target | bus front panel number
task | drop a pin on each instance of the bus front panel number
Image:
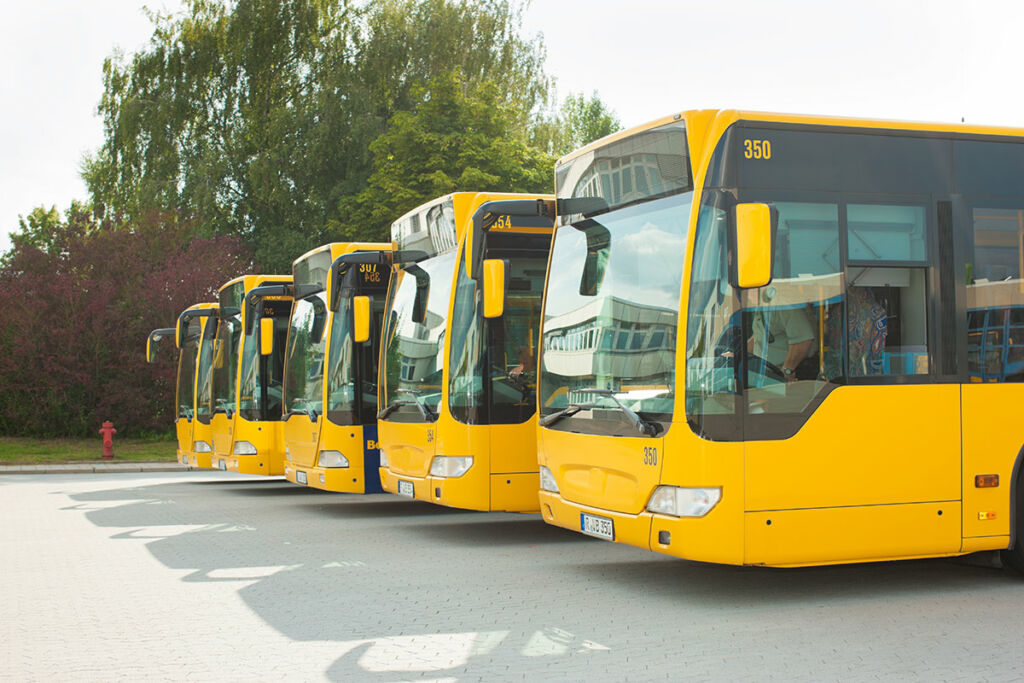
(650, 455)
(757, 149)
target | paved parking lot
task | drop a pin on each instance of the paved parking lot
(211, 576)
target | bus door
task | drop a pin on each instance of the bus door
(850, 419)
(993, 393)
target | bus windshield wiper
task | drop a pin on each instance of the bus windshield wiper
(428, 414)
(643, 426)
(392, 407)
(569, 411)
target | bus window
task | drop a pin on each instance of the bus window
(995, 296)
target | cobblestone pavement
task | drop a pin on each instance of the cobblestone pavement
(211, 576)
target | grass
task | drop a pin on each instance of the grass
(23, 451)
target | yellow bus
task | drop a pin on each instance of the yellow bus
(193, 328)
(330, 374)
(248, 365)
(457, 380)
(755, 340)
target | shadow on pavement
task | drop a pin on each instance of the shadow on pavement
(712, 585)
(525, 530)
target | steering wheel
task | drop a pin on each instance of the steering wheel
(766, 369)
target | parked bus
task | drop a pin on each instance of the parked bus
(762, 344)
(330, 375)
(457, 380)
(248, 365)
(195, 326)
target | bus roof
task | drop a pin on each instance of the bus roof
(728, 116)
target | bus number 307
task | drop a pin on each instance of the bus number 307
(650, 455)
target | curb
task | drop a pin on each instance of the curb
(95, 468)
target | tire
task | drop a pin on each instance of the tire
(1013, 559)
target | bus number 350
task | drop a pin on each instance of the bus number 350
(650, 455)
(757, 149)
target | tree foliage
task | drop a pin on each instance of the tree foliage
(256, 118)
(74, 319)
(457, 138)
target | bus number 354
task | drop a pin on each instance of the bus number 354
(650, 455)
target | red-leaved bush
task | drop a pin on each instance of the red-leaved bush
(74, 320)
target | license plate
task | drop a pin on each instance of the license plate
(602, 527)
(405, 488)
(300, 476)
(221, 465)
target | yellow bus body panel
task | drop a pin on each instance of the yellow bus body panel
(267, 437)
(852, 534)
(183, 430)
(991, 445)
(864, 445)
(601, 471)
(221, 433)
(350, 442)
(201, 432)
(300, 438)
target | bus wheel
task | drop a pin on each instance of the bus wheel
(1013, 559)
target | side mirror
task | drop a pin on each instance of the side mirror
(360, 319)
(179, 334)
(266, 336)
(154, 337)
(494, 288)
(755, 230)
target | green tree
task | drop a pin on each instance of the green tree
(459, 138)
(578, 122)
(255, 118)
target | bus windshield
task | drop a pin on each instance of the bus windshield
(305, 356)
(225, 361)
(414, 338)
(187, 368)
(262, 375)
(492, 378)
(204, 371)
(612, 308)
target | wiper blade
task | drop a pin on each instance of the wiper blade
(642, 425)
(392, 407)
(428, 414)
(571, 410)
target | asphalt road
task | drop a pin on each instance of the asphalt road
(211, 576)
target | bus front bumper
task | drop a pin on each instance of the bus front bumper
(624, 528)
(335, 479)
(417, 488)
(717, 537)
(246, 464)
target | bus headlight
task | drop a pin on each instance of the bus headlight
(201, 447)
(243, 448)
(450, 465)
(683, 502)
(332, 459)
(383, 458)
(547, 480)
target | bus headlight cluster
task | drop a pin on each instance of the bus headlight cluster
(243, 448)
(450, 465)
(332, 459)
(201, 447)
(683, 502)
(547, 480)
(383, 458)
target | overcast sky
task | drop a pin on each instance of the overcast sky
(938, 61)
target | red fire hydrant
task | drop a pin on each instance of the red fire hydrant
(108, 432)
